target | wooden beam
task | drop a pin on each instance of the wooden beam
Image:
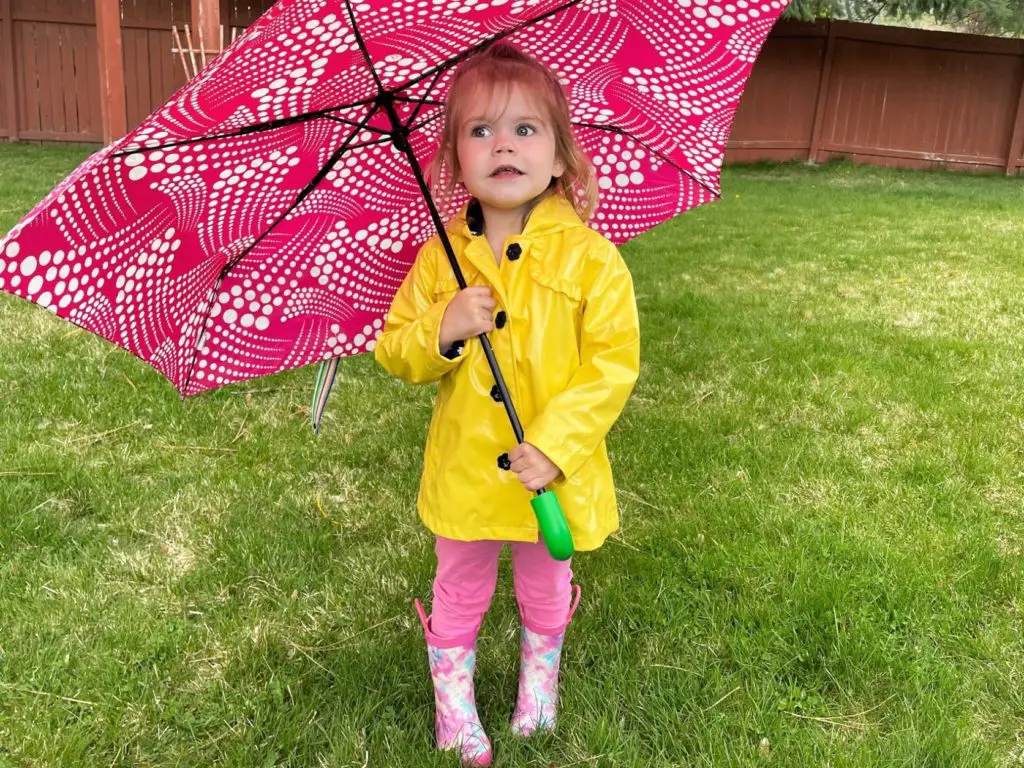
(926, 38)
(111, 58)
(74, 20)
(822, 97)
(1016, 148)
(989, 161)
(7, 68)
(767, 144)
(206, 33)
(89, 137)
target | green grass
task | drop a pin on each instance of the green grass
(820, 482)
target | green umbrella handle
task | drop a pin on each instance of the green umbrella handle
(553, 527)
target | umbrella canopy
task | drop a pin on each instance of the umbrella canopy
(264, 217)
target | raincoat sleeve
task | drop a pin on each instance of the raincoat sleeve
(573, 424)
(408, 346)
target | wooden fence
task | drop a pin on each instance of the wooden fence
(49, 66)
(883, 95)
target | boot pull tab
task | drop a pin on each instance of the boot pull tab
(423, 615)
(577, 593)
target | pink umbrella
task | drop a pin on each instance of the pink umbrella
(264, 217)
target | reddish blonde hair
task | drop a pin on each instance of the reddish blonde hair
(501, 66)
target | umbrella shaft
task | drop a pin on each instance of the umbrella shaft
(401, 141)
(506, 398)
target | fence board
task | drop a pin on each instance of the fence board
(66, 61)
(8, 97)
(242, 13)
(87, 68)
(890, 96)
(777, 112)
(25, 68)
(52, 83)
(884, 96)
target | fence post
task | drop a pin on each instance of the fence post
(822, 98)
(7, 67)
(113, 102)
(1016, 148)
(206, 24)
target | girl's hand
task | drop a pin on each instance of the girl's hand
(468, 314)
(535, 470)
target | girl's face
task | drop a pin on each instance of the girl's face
(506, 151)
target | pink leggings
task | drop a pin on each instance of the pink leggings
(467, 572)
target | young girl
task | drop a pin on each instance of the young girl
(558, 303)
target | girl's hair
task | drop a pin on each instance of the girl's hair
(496, 69)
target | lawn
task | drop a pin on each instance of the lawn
(820, 486)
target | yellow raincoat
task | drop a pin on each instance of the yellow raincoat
(569, 349)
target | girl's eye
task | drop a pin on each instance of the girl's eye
(479, 131)
(525, 129)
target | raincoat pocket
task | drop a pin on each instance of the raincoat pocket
(562, 301)
(560, 285)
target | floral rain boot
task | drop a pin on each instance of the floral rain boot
(456, 722)
(539, 659)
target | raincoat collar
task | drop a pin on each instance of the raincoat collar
(552, 213)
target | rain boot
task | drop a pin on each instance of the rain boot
(457, 725)
(539, 658)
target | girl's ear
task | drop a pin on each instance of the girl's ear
(558, 168)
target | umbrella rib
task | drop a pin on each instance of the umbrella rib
(362, 46)
(320, 176)
(436, 71)
(408, 100)
(453, 60)
(427, 121)
(357, 124)
(374, 143)
(249, 129)
(421, 102)
(638, 140)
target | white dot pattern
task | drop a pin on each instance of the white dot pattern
(218, 259)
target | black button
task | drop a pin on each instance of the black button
(500, 319)
(514, 251)
(504, 463)
(495, 394)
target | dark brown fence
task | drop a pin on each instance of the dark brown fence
(49, 68)
(883, 95)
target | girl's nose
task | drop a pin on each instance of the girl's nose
(503, 143)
